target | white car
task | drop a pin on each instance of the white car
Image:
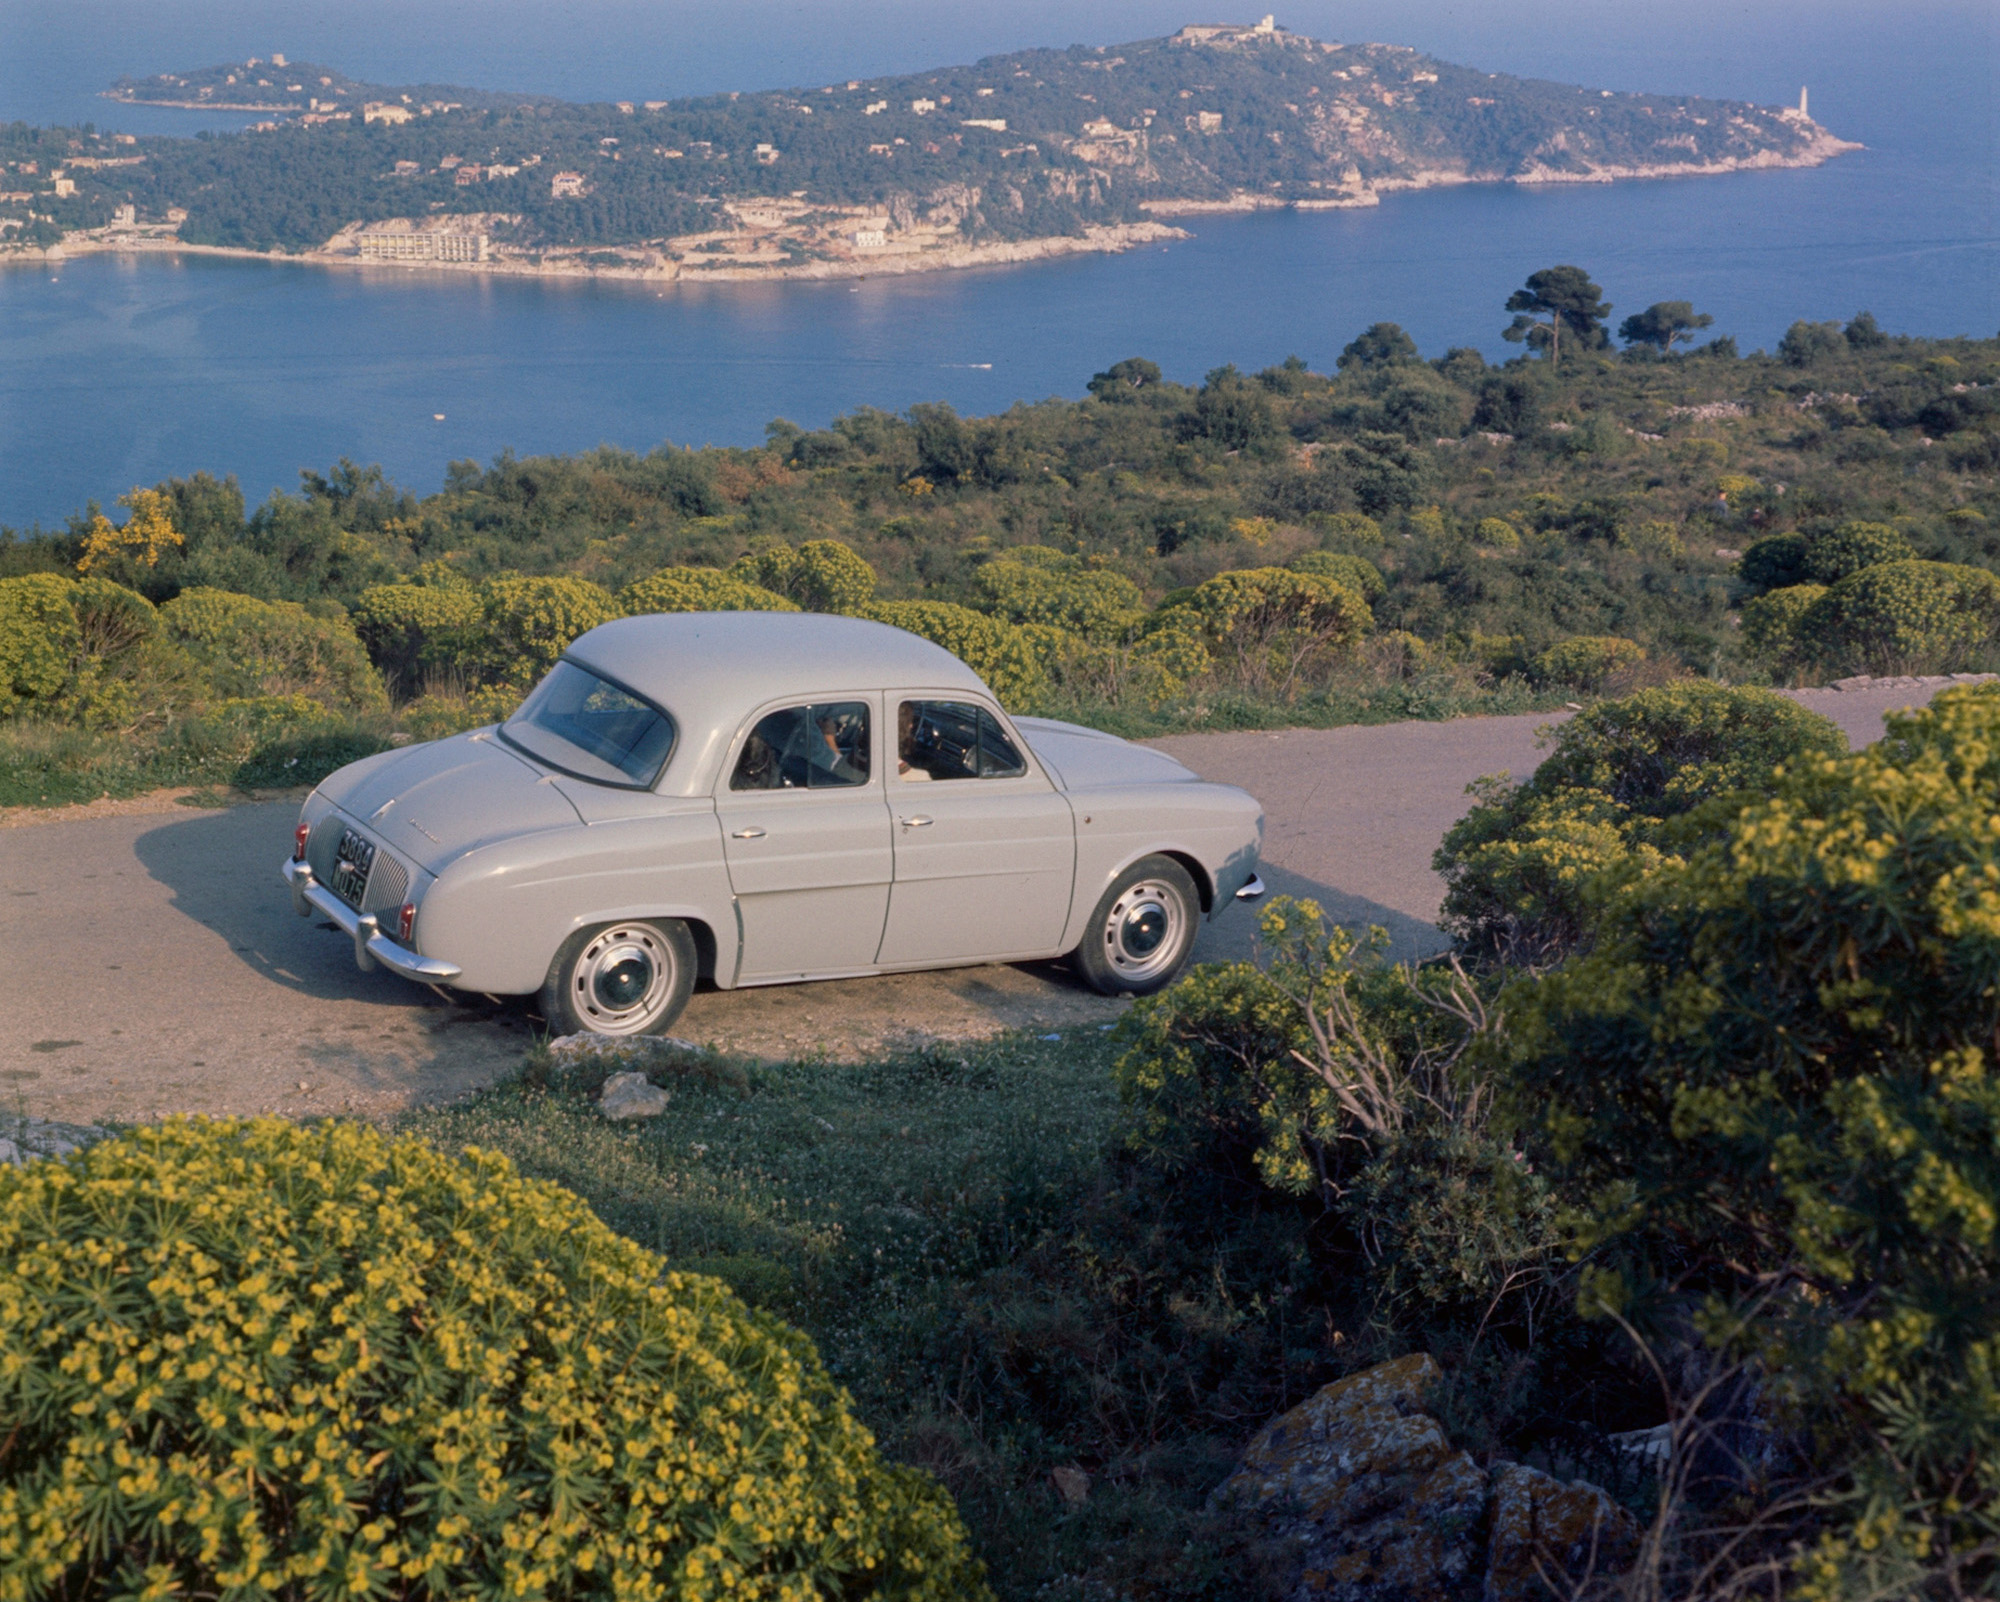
(757, 798)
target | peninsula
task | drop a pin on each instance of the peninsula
(1014, 157)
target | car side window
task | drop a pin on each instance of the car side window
(823, 747)
(953, 740)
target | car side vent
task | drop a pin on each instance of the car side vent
(388, 883)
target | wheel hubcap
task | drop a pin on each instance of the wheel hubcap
(1144, 934)
(622, 980)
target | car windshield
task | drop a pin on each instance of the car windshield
(589, 727)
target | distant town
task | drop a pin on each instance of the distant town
(1014, 157)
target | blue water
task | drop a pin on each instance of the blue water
(115, 372)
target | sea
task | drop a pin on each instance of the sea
(121, 371)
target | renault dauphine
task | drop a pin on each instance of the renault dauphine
(757, 798)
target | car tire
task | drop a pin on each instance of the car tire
(1142, 932)
(632, 977)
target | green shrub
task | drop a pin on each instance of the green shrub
(39, 640)
(412, 630)
(1775, 562)
(1331, 1077)
(1034, 584)
(250, 647)
(698, 589)
(1001, 654)
(820, 576)
(531, 621)
(1588, 660)
(1906, 617)
(1356, 572)
(1773, 1080)
(1274, 626)
(1852, 547)
(1528, 869)
(252, 1358)
(1772, 624)
(111, 620)
(1497, 534)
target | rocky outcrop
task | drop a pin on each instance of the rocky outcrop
(1366, 1491)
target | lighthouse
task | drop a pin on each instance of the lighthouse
(1802, 104)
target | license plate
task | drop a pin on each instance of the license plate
(350, 868)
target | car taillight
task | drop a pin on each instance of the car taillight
(300, 836)
(406, 922)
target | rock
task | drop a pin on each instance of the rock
(1859, 681)
(631, 1095)
(1544, 1526)
(1364, 1491)
(1072, 1484)
(1368, 1489)
(9, 1152)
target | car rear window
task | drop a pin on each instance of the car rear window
(593, 729)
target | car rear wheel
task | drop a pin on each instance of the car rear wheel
(1142, 933)
(630, 978)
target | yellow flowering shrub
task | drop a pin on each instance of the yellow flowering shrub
(251, 647)
(820, 576)
(255, 1359)
(1528, 869)
(1001, 654)
(1587, 660)
(698, 589)
(1772, 1088)
(39, 640)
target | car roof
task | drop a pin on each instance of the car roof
(710, 669)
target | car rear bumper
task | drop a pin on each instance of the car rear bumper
(371, 946)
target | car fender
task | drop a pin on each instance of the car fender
(501, 912)
(1215, 829)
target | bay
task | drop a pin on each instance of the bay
(116, 371)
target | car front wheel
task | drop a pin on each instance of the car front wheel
(630, 978)
(1142, 933)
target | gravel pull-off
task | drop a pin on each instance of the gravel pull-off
(153, 963)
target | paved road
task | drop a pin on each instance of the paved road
(150, 962)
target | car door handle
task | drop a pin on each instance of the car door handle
(751, 833)
(915, 823)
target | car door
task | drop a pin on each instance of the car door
(806, 835)
(985, 845)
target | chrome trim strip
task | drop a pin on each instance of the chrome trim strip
(1251, 891)
(371, 946)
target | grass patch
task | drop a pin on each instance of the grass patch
(959, 1231)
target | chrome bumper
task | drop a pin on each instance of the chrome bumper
(371, 946)
(1252, 891)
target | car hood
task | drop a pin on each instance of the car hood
(1083, 759)
(433, 803)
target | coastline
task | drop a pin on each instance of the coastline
(652, 264)
(1822, 149)
(1093, 241)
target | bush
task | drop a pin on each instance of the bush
(253, 647)
(1528, 870)
(698, 589)
(1356, 572)
(531, 621)
(1772, 623)
(1334, 1078)
(1852, 547)
(1002, 655)
(413, 630)
(1906, 617)
(1497, 534)
(39, 639)
(110, 619)
(1034, 584)
(1275, 625)
(1588, 660)
(1773, 1082)
(256, 1358)
(1775, 562)
(1805, 343)
(820, 576)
